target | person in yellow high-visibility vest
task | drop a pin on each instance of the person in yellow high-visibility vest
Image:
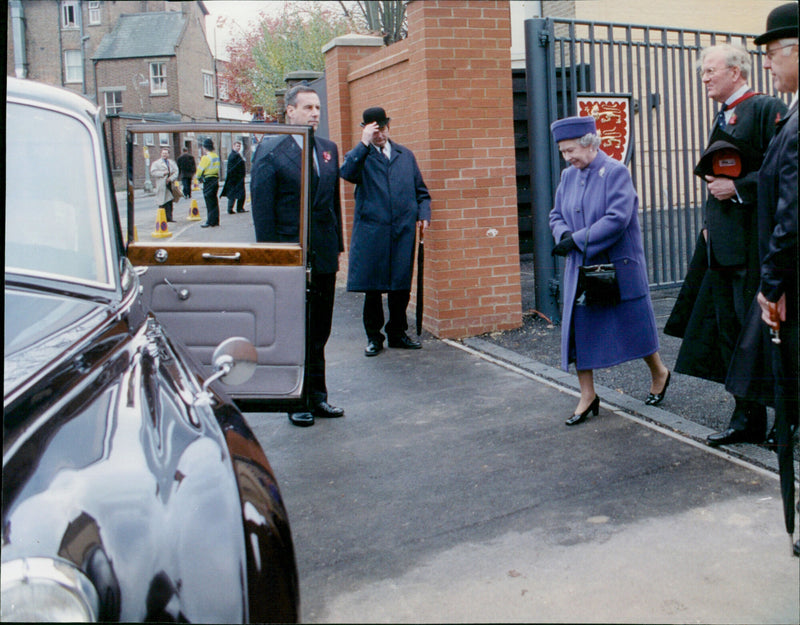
(208, 174)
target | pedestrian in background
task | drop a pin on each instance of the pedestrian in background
(391, 202)
(595, 220)
(275, 200)
(164, 171)
(186, 167)
(208, 174)
(723, 274)
(235, 173)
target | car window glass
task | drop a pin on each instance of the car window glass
(53, 216)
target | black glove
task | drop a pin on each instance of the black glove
(565, 246)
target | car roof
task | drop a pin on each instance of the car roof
(49, 95)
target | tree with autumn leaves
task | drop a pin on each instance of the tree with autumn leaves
(261, 58)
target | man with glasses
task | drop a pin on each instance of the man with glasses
(710, 311)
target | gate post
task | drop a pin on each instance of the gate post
(539, 35)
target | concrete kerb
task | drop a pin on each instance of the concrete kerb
(754, 456)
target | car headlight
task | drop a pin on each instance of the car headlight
(46, 590)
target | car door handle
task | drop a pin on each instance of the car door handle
(209, 256)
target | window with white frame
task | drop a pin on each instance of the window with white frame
(73, 66)
(208, 84)
(163, 139)
(158, 77)
(113, 102)
(69, 14)
(148, 138)
(95, 15)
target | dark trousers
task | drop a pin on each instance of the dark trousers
(728, 285)
(320, 306)
(210, 190)
(239, 204)
(373, 314)
(167, 210)
(186, 182)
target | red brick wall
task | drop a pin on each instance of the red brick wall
(447, 89)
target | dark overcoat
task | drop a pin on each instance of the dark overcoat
(732, 237)
(275, 197)
(391, 197)
(234, 177)
(750, 373)
(601, 199)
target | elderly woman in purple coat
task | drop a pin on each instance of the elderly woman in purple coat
(596, 215)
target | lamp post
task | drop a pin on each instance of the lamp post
(140, 81)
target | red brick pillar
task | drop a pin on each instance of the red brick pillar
(448, 90)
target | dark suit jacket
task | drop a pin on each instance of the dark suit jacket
(275, 194)
(234, 177)
(732, 225)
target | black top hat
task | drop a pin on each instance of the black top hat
(208, 144)
(375, 114)
(727, 157)
(781, 24)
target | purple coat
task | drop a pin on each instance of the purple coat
(602, 196)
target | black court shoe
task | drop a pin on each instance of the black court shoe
(653, 399)
(594, 408)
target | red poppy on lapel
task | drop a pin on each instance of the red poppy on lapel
(732, 120)
(778, 118)
(326, 156)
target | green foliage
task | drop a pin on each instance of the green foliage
(292, 41)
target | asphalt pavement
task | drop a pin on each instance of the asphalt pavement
(452, 491)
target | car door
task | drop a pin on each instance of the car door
(206, 284)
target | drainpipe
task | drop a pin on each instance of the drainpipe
(18, 34)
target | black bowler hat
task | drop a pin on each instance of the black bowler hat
(375, 114)
(727, 157)
(781, 24)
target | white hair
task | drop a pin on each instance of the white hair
(589, 140)
(787, 44)
(735, 56)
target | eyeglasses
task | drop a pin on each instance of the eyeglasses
(770, 54)
(710, 71)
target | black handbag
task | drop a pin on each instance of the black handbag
(597, 284)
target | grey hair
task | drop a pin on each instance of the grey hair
(290, 99)
(589, 140)
(735, 56)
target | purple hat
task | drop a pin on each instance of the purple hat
(573, 128)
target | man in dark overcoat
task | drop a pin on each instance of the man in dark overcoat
(391, 202)
(727, 251)
(186, 168)
(235, 172)
(275, 197)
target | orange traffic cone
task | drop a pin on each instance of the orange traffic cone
(194, 212)
(195, 185)
(162, 230)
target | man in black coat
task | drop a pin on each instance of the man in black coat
(275, 196)
(727, 251)
(186, 168)
(234, 180)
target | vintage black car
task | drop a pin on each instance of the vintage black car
(133, 489)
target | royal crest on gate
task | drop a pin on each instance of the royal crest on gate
(612, 114)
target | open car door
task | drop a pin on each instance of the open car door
(209, 284)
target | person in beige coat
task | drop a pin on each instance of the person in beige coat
(164, 171)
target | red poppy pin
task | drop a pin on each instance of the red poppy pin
(732, 120)
(778, 118)
(326, 156)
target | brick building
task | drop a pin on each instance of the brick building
(140, 60)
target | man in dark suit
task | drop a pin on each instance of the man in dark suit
(728, 247)
(234, 180)
(275, 197)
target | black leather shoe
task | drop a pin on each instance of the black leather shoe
(324, 409)
(230, 212)
(731, 436)
(373, 348)
(577, 418)
(301, 419)
(653, 399)
(403, 342)
(205, 224)
(242, 211)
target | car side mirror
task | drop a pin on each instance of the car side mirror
(234, 362)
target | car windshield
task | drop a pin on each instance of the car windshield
(53, 223)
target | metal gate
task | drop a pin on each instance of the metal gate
(672, 120)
